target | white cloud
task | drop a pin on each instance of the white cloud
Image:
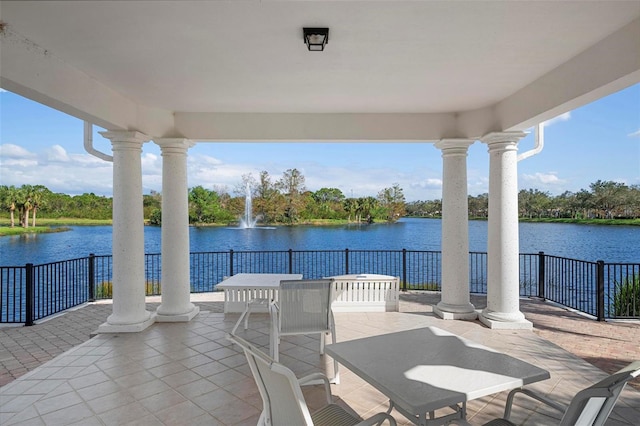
(151, 164)
(88, 161)
(18, 162)
(57, 154)
(545, 179)
(58, 170)
(209, 172)
(9, 150)
(635, 134)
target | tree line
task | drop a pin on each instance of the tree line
(287, 201)
(24, 204)
(603, 200)
(282, 201)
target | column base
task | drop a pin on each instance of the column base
(503, 321)
(470, 316)
(184, 317)
(455, 312)
(127, 328)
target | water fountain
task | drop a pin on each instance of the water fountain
(248, 221)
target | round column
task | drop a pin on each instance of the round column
(129, 313)
(176, 292)
(455, 302)
(503, 248)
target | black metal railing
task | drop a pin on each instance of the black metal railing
(604, 290)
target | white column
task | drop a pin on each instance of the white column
(503, 270)
(176, 292)
(129, 313)
(455, 303)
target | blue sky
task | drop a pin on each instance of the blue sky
(39, 145)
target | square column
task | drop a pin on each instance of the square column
(176, 305)
(503, 245)
(129, 313)
(455, 303)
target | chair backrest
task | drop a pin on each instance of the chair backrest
(282, 399)
(305, 306)
(592, 406)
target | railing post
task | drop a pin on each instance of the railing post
(600, 290)
(92, 277)
(346, 261)
(29, 294)
(541, 274)
(231, 262)
(290, 261)
(404, 269)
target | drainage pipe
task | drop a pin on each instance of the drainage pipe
(88, 143)
(539, 143)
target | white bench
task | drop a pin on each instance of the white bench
(351, 293)
(366, 293)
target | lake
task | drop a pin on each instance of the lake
(583, 242)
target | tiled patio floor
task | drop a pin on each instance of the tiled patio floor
(187, 373)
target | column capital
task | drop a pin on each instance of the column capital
(454, 146)
(125, 136)
(454, 143)
(503, 138)
(174, 144)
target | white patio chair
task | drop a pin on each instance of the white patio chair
(283, 403)
(590, 406)
(260, 304)
(303, 307)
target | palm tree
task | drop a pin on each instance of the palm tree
(367, 205)
(349, 207)
(23, 205)
(8, 201)
(38, 200)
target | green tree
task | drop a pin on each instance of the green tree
(329, 202)
(634, 201)
(24, 204)
(292, 187)
(478, 205)
(533, 202)
(565, 204)
(57, 205)
(392, 202)
(39, 198)
(585, 202)
(349, 206)
(204, 205)
(607, 195)
(365, 207)
(151, 202)
(9, 201)
(268, 202)
(155, 217)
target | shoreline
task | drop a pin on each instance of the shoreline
(61, 225)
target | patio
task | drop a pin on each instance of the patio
(187, 373)
(442, 73)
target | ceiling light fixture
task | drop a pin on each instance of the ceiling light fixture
(316, 38)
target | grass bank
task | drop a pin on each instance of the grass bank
(18, 230)
(46, 225)
(627, 222)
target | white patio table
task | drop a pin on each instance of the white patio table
(427, 369)
(239, 289)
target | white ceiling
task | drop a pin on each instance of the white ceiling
(382, 56)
